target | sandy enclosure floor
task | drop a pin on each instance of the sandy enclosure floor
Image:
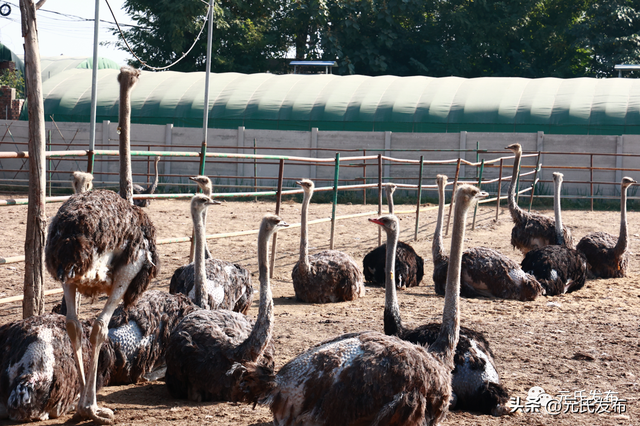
(585, 341)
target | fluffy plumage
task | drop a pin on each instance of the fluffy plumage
(325, 277)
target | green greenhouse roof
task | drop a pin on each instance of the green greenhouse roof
(357, 103)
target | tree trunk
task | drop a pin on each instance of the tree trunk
(33, 302)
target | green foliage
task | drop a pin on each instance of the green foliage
(13, 79)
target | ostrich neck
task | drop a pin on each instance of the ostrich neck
(449, 334)
(303, 263)
(437, 250)
(390, 201)
(621, 245)
(558, 212)
(126, 180)
(200, 272)
(392, 320)
(154, 185)
(515, 210)
(260, 336)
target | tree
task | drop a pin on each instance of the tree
(13, 78)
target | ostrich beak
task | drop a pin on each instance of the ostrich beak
(212, 202)
(376, 221)
(192, 178)
(299, 182)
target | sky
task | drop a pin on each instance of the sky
(66, 27)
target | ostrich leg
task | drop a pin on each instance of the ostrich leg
(74, 329)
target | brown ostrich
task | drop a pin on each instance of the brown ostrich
(530, 230)
(557, 268)
(475, 380)
(325, 277)
(99, 242)
(82, 182)
(205, 344)
(138, 189)
(226, 286)
(409, 266)
(485, 272)
(368, 377)
(607, 256)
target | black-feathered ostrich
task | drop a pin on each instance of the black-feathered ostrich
(475, 381)
(205, 344)
(409, 268)
(138, 189)
(227, 285)
(325, 277)
(607, 255)
(99, 242)
(485, 272)
(530, 230)
(368, 377)
(557, 268)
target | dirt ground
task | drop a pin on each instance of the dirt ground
(585, 341)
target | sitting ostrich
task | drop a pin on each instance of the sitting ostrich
(485, 272)
(409, 268)
(475, 380)
(227, 285)
(557, 268)
(607, 256)
(99, 242)
(368, 377)
(325, 277)
(82, 182)
(38, 375)
(205, 344)
(530, 230)
(137, 189)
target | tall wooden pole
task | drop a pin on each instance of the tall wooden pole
(33, 302)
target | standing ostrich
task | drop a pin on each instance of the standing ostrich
(99, 242)
(557, 268)
(326, 277)
(606, 256)
(475, 381)
(38, 374)
(82, 182)
(227, 285)
(368, 377)
(205, 344)
(409, 268)
(204, 183)
(137, 189)
(530, 230)
(485, 272)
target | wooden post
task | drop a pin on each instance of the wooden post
(453, 193)
(255, 172)
(379, 195)
(535, 178)
(415, 236)
(33, 302)
(475, 210)
(499, 190)
(278, 202)
(364, 177)
(591, 181)
(336, 175)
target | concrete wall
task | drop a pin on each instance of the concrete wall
(317, 144)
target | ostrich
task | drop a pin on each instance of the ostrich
(204, 183)
(82, 182)
(530, 230)
(475, 380)
(205, 344)
(606, 256)
(325, 277)
(137, 189)
(409, 266)
(557, 268)
(227, 285)
(485, 272)
(38, 374)
(368, 377)
(99, 242)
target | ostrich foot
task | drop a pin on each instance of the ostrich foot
(99, 415)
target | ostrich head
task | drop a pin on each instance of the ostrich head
(128, 76)
(307, 185)
(627, 182)
(515, 148)
(389, 223)
(391, 188)
(272, 223)
(441, 180)
(200, 202)
(82, 182)
(204, 183)
(558, 177)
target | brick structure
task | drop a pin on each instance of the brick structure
(10, 107)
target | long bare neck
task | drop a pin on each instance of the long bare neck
(621, 245)
(154, 185)
(260, 336)
(126, 180)
(437, 249)
(390, 199)
(303, 263)
(392, 320)
(198, 258)
(449, 334)
(516, 211)
(557, 210)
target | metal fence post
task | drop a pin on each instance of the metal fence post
(335, 198)
(415, 236)
(278, 202)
